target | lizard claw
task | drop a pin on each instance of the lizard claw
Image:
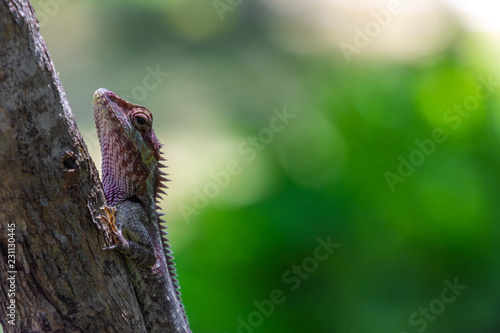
(111, 228)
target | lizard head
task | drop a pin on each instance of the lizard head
(129, 147)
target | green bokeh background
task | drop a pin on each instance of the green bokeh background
(323, 176)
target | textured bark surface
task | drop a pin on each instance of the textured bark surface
(63, 281)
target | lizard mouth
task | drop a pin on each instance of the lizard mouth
(111, 113)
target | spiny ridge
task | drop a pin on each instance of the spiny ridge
(162, 227)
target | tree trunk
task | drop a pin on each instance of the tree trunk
(54, 275)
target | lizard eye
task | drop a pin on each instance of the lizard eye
(141, 120)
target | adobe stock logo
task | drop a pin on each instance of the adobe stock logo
(293, 278)
(222, 6)
(149, 82)
(49, 9)
(417, 157)
(249, 148)
(449, 294)
(454, 118)
(372, 29)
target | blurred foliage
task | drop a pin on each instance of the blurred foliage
(323, 176)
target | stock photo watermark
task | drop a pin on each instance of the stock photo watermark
(420, 319)
(292, 278)
(150, 82)
(417, 157)
(223, 6)
(49, 9)
(454, 117)
(248, 149)
(372, 29)
(11, 274)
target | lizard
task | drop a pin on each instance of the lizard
(132, 180)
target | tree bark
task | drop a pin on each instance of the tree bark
(54, 275)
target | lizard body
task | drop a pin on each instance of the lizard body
(132, 182)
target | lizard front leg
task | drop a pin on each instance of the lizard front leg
(125, 226)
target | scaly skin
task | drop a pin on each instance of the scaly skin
(132, 182)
